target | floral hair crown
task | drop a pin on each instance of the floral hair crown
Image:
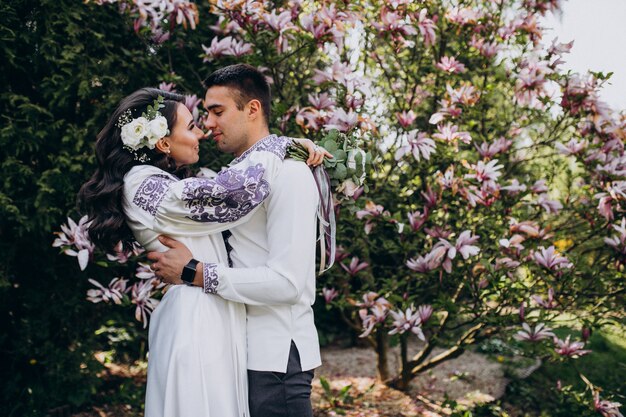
(144, 131)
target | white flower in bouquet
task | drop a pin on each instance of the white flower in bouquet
(134, 132)
(348, 188)
(356, 157)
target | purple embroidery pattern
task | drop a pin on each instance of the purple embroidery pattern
(227, 197)
(275, 144)
(151, 192)
(210, 278)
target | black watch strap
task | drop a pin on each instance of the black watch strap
(189, 271)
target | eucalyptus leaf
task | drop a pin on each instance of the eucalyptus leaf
(341, 172)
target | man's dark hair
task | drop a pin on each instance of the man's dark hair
(248, 84)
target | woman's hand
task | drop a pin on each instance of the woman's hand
(316, 152)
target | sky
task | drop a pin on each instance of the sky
(598, 28)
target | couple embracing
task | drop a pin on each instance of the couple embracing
(235, 337)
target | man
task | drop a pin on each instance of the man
(273, 253)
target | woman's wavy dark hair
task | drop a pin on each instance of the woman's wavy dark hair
(101, 197)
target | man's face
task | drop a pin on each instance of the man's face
(229, 125)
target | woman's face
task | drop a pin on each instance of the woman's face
(184, 138)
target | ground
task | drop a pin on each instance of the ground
(470, 378)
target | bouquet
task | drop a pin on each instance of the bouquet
(347, 168)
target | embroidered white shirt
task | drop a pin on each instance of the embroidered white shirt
(274, 272)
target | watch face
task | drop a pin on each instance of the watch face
(189, 271)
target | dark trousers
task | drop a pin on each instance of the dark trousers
(277, 394)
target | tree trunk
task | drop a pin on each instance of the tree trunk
(381, 355)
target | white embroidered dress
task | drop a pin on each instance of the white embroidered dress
(197, 360)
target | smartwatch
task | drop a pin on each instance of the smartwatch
(189, 271)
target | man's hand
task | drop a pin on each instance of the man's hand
(169, 265)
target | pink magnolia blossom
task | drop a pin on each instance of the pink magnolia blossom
(506, 263)
(141, 296)
(448, 180)
(618, 242)
(549, 303)
(228, 46)
(371, 299)
(355, 266)
(279, 22)
(543, 6)
(438, 232)
(225, 26)
(486, 172)
(550, 259)
(427, 28)
(550, 206)
(371, 212)
(423, 264)
(486, 49)
(113, 292)
(443, 252)
(540, 332)
(152, 13)
(407, 320)
(515, 242)
(464, 244)
(464, 15)
(556, 51)
(446, 110)
(340, 254)
(74, 239)
(405, 118)
(475, 196)
(527, 227)
(322, 101)
(570, 349)
(342, 120)
(378, 315)
(451, 65)
(489, 150)
(531, 82)
(539, 187)
(425, 311)
(430, 197)
(144, 271)
(466, 94)
(450, 133)
(417, 219)
(514, 187)
(167, 86)
(606, 408)
(310, 118)
(122, 256)
(418, 144)
(329, 294)
(339, 71)
(395, 23)
(192, 102)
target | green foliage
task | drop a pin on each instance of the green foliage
(65, 66)
(539, 394)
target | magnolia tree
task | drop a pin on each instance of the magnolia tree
(494, 202)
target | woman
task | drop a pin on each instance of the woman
(142, 188)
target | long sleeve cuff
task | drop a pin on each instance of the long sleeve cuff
(210, 278)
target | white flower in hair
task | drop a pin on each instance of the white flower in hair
(134, 132)
(144, 131)
(157, 129)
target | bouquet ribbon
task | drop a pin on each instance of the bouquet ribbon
(326, 217)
